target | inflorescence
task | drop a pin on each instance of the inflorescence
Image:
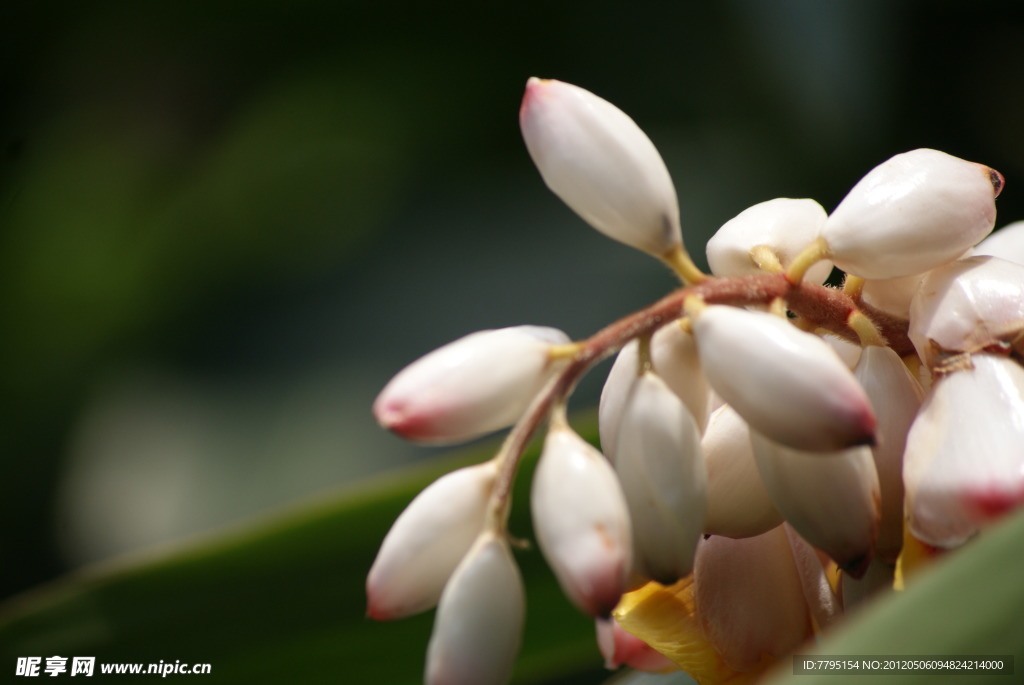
(772, 448)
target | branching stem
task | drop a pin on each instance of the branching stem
(821, 306)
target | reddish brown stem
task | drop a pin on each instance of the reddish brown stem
(823, 307)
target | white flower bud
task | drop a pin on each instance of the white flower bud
(749, 597)
(847, 351)
(472, 386)
(738, 504)
(427, 541)
(479, 621)
(892, 295)
(831, 499)
(674, 358)
(964, 463)
(966, 306)
(916, 211)
(896, 396)
(620, 648)
(663, 478)
(787, 384)
(785, 225)
(1006, 243)
(581, 521)
(599, 162)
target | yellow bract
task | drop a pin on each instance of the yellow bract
(664, 617)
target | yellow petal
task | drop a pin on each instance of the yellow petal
(663, 617)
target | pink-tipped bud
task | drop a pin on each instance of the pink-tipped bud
(599, 162)
(427, 541)
(783, 225)
(964, 463)
(472, 386)
(967, 306)
(831, 499)
(785, 383)
(620, 648)
(664, 479)
(479, 620)
(738, 504)
(674, 359)
(914, 212)
(581, 521)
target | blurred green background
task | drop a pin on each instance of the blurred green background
(224, 226)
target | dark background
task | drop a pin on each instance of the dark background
(224, 226)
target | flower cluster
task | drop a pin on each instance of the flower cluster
(772, 448)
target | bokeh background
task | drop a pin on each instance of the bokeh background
(224, 226)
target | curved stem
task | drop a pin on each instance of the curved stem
(811, 255)
(679, 260)
(821, 306)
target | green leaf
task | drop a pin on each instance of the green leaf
(283, 601)
(970, 603)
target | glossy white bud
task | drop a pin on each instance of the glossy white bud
(674, 358)
(1006, 243)
(896, 396)
(784, 225)
(964, 463)
(749, 597)
(916, 211)
(787, 384)
(581, 521)
(738, 504)
(472, 386)
(599, 162)
(966, 306)
(831, 499)
(661, 469)
(479, 620)
(427, 541)
(892, 295)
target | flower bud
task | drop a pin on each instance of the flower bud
(847, 351)
(896, 396)
(599, 162)
(674, 359)
(784, 225)
(581, 521)
(472, 386)
(427, 541)
(892, 295)
(749, 597)
(1006, 243)
(479, 621)
(964, 463)
(831, 499)
(663, 478)
(966, 306)
(787, 384)
(738, 504)
(620, 648)
(916, 211)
